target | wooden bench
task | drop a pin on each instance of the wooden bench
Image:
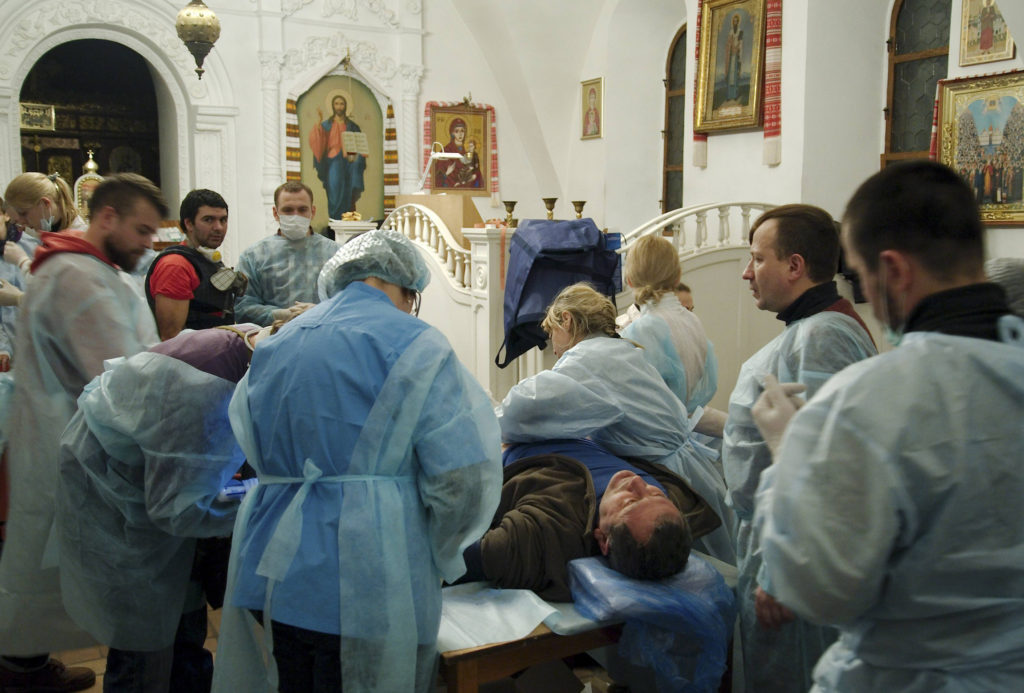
(464, 670)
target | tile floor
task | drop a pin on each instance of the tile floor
(96, 657)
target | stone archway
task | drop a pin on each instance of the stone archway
(194, 116)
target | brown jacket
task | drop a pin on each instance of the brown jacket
(546, 518)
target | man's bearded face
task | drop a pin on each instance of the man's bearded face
(339, 106)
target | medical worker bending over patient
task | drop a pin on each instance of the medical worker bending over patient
(142, 464)
(603, 388)
(379, 463)
(893, 505)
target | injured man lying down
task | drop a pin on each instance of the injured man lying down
(568, 499)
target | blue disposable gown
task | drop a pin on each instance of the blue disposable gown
(141, 465)
(604, 389)
(77, 312)
(893, 509)
(8, 314)
(675, 344)
(379, 463)
(808, 351)
(280, 273)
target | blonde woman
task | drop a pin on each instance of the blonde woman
(36, 202)
(673, 337)
(603, 388)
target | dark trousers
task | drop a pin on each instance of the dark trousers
(185, 666)
(307, 661)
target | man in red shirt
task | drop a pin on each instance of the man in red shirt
(178, 286)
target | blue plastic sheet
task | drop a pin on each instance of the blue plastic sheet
(679, 627)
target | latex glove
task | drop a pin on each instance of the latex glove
(16, 255)
(771, 615)
(10, 295)
(774, 408)
(5, 362)
(280, 314)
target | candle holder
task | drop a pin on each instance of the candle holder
(578, 206)
(549, 203)
(509, 206)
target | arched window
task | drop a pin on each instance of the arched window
(918, 54)
(675, 113)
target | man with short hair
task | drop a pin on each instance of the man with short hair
(568, 499)
(80, 310)
(794, 256)
(282, 269)
(180, 286)
(893, 506)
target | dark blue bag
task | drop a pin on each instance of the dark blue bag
(545, 257)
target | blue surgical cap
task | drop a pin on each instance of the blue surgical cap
(387, 255)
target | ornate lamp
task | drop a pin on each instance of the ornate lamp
(199, 28)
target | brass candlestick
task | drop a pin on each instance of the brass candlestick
(549, 203)
(578, 206)
(509, 206)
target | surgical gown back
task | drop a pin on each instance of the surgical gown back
(142, 462)
(604, 389)
(675, 343)
(893, 509)
(78, 311)
(280, 273)
(379, 463)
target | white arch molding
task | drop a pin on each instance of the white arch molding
(191, 110)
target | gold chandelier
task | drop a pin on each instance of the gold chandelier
(199, 28)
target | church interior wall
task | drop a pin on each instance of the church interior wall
(527, 60)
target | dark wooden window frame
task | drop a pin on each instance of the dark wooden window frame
(888, 155)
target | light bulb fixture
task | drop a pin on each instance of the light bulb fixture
(198, 28)
(435, 155)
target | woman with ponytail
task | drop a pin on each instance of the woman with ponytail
(673, 337)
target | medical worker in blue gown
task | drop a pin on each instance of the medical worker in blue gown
(794, 256)
(379, 463)
(603, 388)
(142, 464)
(673, 337)
(282, 269)
(893, 506)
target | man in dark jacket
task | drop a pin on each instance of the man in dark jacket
(568, 499)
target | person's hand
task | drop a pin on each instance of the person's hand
(280, 314)
(5, 362)
(774, 408)
(770, 613)
(10, 295)
(15, 255)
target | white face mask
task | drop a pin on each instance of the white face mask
(46, 223)
(293, 226)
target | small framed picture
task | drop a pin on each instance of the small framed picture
(592, 101)
(465, 130)
(984, 36)
(37, 116)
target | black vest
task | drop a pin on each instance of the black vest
(206, 301)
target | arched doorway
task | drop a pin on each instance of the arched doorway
(104, 100)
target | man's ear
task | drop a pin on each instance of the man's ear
(899, 272)
(602, 540)
(797, 266)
